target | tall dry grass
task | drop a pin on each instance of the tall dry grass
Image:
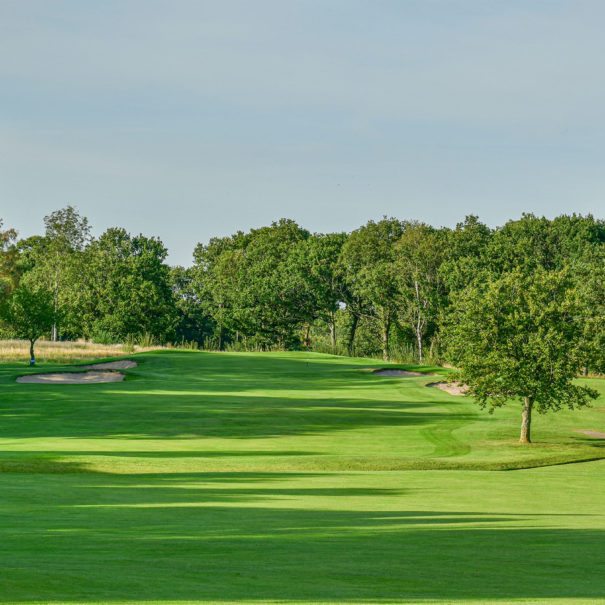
(65, 352)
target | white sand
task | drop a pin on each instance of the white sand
(453, 388)
(597, 434)
(98, 372)
(72, 377)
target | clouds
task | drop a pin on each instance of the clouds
(320, 110)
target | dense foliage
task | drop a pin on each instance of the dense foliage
(518, 308)
(386, 289)
(521, 336)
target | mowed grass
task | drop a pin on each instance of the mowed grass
(182, 411)
(287, 477)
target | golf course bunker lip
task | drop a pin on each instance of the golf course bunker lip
(97, 372)
(596, 434)
(453, 388)
(121, 364)
(400, 373)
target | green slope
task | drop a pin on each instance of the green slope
(190, 411)
(226, 478)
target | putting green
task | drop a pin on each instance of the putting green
(269, 478)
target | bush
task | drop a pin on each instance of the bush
(103, 337)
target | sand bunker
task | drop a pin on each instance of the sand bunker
(453, 388)
(401, 373)
(597, 434)
(98, 372)
(72, 377)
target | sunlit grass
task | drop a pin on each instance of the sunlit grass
(290, 477)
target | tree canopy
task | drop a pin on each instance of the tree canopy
(518, 308)
(521, 337)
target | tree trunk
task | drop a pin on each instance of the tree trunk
(385, 342)
(526, 421)
(351, 342)
(220, 337)
(56, 303)
(32, 357)
(332, 330)
(419, 321)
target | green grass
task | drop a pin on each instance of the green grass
(285, 477)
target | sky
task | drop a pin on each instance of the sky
(193, 119)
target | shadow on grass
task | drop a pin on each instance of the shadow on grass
(180, 394)
(216, 538)
(167, 415)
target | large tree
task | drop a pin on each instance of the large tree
(521, 337)
(55, 262)
(250, 284)
(215, 282)
(129, 291)
(419, 254)
(368, 259)
(316, 260)
(193, 323)
(273, 301)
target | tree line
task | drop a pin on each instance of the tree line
(526, 298)
(388, 287)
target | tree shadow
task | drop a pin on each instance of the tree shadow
(220, 537)
(97, 411)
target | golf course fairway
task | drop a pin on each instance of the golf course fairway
(291, 477)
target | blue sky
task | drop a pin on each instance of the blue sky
(190, 119)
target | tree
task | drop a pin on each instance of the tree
(55, 262)
(9, 273)
(193, 323)
(317, 263)
(215, 282)
(590, 274)
(419, 254)
(368, 260)
(29, 313)
(520, 336)
(273, 301)
(252, 287)
(66, 235)
(129, 292)
(465, 253)
(532, 242)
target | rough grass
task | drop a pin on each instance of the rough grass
(64, 352)
(278, 478)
